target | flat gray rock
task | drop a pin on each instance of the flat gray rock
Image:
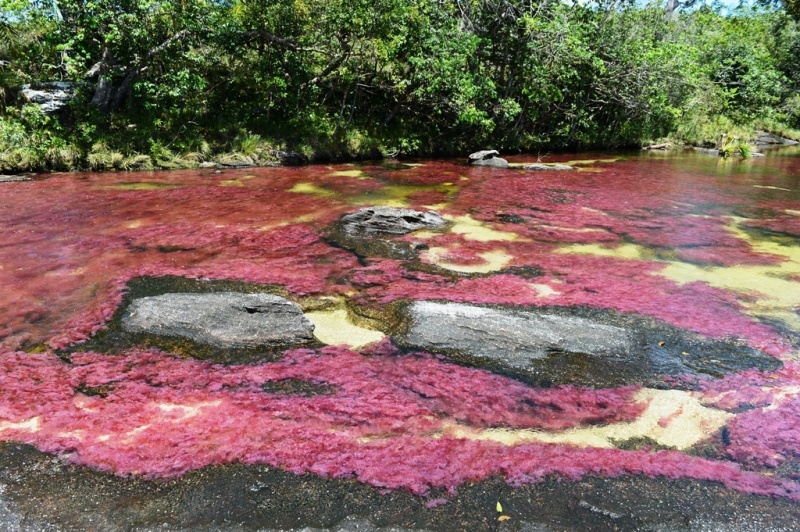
(13, 178)
(512, 337)
(390, 220)
(541, 166)
(227, 319)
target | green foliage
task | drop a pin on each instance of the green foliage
(173, 83)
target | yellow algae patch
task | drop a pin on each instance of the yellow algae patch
(308, 188)
(673, 418)
(592, 161)
(592, 169)
(349, 173)
(773, 188)
(186, 411)
(621, 251)
(135, 224)
(395, 195)
(572, 229)
(334, 328)
(142, 186)
(544, 290)
(76, 271)
(31, 425)
(596, 211)
(424, 233)
(493, 260)
(231, 183)
(476, 230)
(776, 296)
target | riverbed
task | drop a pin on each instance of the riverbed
(687, 266)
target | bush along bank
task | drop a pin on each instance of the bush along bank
(169, 84)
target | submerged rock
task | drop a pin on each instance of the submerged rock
(513, 337)
(13, 178)
(542, 166)
(370, 232)
(390, 220)
(487, 158)
(227, 319)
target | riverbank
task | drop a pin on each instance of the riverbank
(249, 151)
(183, 83)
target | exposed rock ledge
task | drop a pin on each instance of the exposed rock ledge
(227, 319)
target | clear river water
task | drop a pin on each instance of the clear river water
(696, 426)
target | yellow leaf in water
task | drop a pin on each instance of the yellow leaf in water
(684, 353)
(661, 344)
(503, 518)
(499, 507)
(773, 377)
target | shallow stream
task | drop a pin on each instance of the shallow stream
(696, 258)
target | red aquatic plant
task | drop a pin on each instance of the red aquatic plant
(152, 414)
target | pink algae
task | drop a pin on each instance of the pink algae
(163, 416)
(76, 239)
(768, 432)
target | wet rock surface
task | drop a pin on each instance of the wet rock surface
(390, 220)
(582, 346)
(42, 493)
(13, 178)
(369, 232)
(226, 319)
(542, 166)
(513, 337)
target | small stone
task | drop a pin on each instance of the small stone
(227, 319)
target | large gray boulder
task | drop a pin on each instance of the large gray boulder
(511, 337)
(764, 139)
(227, 319)
(51, 96)
(487, 158)
(390, 220)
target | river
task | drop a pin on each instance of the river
(693, 262)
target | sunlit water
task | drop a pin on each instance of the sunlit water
(709, 246)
